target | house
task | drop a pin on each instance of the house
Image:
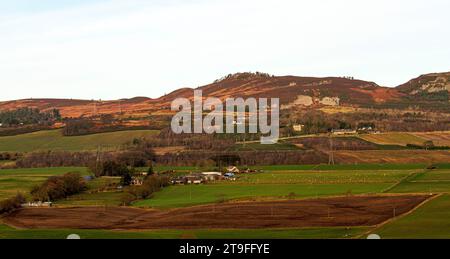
(341, 132)
(212, 176)
(179, 180)
(366, 130)
(298, 127)
(233, 169)
(194, 179)
(137, 181)
(38, 204)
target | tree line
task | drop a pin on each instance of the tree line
(28, 116)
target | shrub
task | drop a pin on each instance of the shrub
(59, 187)
(12, 204)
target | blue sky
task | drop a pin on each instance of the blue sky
(109, 49)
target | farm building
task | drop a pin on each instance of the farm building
(298, 127)
(233, 169)
(179, 180)
(212, 176)
(137, 180)
(341, 132)
(195, 179)
(37, 205)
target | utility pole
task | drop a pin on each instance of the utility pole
(95, 108)
(331, 155)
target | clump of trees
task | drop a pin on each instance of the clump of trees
(109, 168)
(76, 127)
(102, 124)
(167, 138)
(55, 159)
(28, 116)
(59, 187)
(120, 163)
(6, 156)
(151, 185)
(11, 204)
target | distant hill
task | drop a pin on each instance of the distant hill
(434, 86)
(293, 91)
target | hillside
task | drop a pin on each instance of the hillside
(433, 87)
(293, 91)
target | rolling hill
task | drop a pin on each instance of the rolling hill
(292, 91)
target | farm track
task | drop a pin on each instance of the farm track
(347, 211)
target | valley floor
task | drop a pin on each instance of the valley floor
(290, 201)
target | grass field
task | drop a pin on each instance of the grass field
(183, 196)
(260, 147)
(54, 140)
(274, 183)
(100, 192)
(438, 138)
(436, 181)
(309, 233)
(13, 181)
(393, 156)
(278, 184)
(394, 138)
(429, 221)
(361, 167)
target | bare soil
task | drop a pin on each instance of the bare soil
(329, 212)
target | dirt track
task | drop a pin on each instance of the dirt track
(345, 211)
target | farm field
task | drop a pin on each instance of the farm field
(429, 221)
(436, 181)
(13, 181)
(54, 140)
(7, 232)
(394, 138)
(260, 147)
(393, 157)
(275, 184)
(184, 196)
(326, 212)
(278, 184)
(353, 167)
(109, 198)
(100, 192)
(438, 138)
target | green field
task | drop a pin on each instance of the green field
(430, 221)
(54, 140)
(436, 181)
(183, 196)
(97, 194)
(260, 147)
(344, 167)
(278, 184)
(273, 183)
(13, 181)
(308, 233)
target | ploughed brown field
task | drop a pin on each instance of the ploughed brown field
(329, 212)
